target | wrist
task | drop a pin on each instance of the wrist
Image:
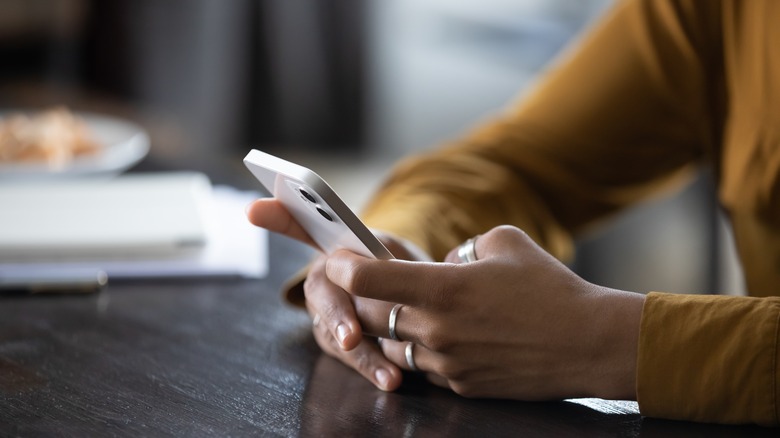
(616, 344)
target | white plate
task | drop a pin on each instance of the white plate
(124, 144)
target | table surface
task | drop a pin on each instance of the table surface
(227, 357)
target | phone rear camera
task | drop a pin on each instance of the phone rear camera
(324, 214)
(307, 195)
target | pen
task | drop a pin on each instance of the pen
(70, 281)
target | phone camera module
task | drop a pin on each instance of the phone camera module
(324, 214)
(307, 195)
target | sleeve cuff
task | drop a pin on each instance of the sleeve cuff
(709, 358)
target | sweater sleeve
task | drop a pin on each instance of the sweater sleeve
(710, 358)
(618, 118)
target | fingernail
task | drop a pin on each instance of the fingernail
(383, 378)
(342, 331)
(248, 206)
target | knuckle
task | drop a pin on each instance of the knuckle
(441, 293)
(330, 312)
(506, 232)
(436, 342)
(362, 363)
(506, 237)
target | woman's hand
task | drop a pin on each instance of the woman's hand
(336, 326)
(516, 323)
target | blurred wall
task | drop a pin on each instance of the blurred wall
(439, 66)
(186, 61)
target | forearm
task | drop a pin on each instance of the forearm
(569, 155)
(439, 200)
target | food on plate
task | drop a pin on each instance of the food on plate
(54, 137)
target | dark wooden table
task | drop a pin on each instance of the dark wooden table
(228, 358)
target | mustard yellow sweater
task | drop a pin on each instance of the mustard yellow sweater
(657, 89)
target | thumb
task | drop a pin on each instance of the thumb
(270, 214)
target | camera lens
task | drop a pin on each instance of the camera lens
(324, 214)
(307, 195)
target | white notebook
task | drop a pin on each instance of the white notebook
(128, 216)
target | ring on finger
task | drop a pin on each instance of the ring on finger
(467, 251)
(410, 356)
(391, 322)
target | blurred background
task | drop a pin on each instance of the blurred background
(343, 86)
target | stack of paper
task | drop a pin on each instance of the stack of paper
(135, 226)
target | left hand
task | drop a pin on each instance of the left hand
(335, 324)
(516, 323)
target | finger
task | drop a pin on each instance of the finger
(333, 305)
(270, 214)
(455, 256)
(397, 281)
(374, 316)
(503, 241)
(367, 359)
(395, 352)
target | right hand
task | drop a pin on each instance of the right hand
(337, 328)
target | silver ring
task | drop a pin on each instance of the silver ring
(467, 252)
(391, 322)
(410, 356)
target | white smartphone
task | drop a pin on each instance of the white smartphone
(314, 204)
